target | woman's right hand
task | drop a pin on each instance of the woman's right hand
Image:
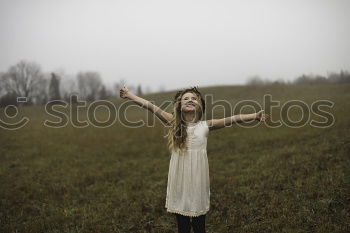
(124, 93)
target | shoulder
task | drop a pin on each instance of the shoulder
(205, 123)
(205, 126)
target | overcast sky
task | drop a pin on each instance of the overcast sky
(178, 43)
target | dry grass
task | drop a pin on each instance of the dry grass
(114, 179)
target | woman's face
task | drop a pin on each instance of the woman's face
(190, 102)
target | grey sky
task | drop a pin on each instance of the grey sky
(178, 43)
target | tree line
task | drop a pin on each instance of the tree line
(26, 80)
(341, 77)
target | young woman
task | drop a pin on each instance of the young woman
(188, 189)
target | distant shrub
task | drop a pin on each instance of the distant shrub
(9, 98)
(340, 78)
(333, 78)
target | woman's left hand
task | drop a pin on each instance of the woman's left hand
(261, 116)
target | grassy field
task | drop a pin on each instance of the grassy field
(114, 179)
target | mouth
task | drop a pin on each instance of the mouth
(191, 104)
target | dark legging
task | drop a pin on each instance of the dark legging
(184, 223)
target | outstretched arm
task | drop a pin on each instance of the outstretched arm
(228, 121)
(161, 114)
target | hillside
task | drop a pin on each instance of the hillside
(113, 179)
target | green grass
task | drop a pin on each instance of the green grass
(114, 179)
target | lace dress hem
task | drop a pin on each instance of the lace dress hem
(187, 213)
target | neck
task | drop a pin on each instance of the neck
(190, 117)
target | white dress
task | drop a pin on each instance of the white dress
(188, 189)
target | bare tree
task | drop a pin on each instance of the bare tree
(89, 85)
(255, 80)
(23, 79)
(342, 77)
(40, 92)
(103, 93)
(139, 90)
(279, 81)
(68, 85)
(2, 90)
(54, 87)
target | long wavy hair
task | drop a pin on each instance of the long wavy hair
(177, 133)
